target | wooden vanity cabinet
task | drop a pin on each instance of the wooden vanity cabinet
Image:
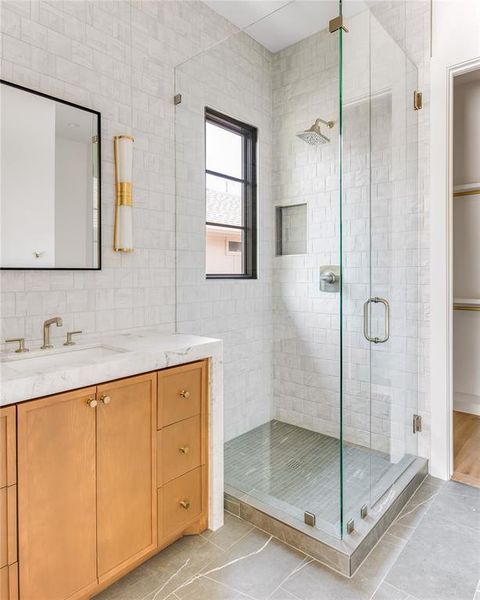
(93, 500)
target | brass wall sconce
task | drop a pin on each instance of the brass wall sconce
(123, 225)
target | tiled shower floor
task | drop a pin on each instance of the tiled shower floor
(297, 470)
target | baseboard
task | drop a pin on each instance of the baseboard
(467, 403)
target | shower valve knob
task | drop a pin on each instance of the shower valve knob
(329, 277)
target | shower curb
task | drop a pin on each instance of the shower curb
(344, 556)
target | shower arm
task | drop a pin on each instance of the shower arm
(329, 124)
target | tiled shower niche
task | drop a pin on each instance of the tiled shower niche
(291, 229)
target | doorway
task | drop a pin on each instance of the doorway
(466, 278)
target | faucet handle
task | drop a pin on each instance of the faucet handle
(69, 341)
(21, 344)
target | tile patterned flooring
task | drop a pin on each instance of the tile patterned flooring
(297, 470)
(430, 552)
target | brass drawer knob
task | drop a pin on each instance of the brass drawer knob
(105, 399)
(92, 403)
(185, 504)
(184, 394)
(184, 449)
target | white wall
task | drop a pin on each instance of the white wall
(456, 45)
(28, 179)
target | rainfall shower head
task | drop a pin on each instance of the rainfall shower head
(313, 135)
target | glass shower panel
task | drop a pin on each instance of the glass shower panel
(394, 256)
(282, 357)
(379, 262)
(356, 263)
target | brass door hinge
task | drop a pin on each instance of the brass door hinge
(417, 423)
(417, 100)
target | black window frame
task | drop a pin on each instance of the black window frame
(249, 180)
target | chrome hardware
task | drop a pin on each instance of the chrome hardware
(184, 394)
(105, 399)
(69, 341)
(185, 504)
(92, 403)
(21, 344)
(184, 449)
(46, 331)
(366, 333)
(364, 511)
(329, 278)
(37, 253)
(350, 526)
(309, 518)
(417, 423)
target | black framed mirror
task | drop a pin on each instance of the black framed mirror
(50, 182)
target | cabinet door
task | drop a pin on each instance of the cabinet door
(57, 496)
(126, 468)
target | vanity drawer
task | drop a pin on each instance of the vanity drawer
(180, 502)
(8, 526)
(180, 392)
(178, 449)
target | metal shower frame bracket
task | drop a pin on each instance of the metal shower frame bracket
(336, 24)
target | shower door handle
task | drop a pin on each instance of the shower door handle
(366, 320)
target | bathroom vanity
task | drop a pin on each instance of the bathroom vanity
(98, 477)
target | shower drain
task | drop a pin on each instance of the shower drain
(294, 464)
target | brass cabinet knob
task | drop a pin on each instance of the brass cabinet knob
(184, 394)
(105, 399)
(185, 504)
(184, 449)
(92, 403)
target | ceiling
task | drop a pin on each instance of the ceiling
(277, 24)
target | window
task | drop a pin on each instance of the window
(230, 191)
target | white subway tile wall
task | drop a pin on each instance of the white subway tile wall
(234, 78)
(117, 57)
(281, 335)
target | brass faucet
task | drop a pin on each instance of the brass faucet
(46, 331)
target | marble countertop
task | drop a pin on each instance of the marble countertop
(108, 357)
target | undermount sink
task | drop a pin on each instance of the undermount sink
(59, 358)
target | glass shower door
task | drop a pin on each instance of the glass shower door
(379, 263)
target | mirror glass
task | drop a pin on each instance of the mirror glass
(50, 182)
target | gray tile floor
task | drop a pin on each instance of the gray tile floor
(431, 552)
(297, 470)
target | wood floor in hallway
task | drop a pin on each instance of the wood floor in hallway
(466, 436)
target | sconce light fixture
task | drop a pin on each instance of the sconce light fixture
(123, 227)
